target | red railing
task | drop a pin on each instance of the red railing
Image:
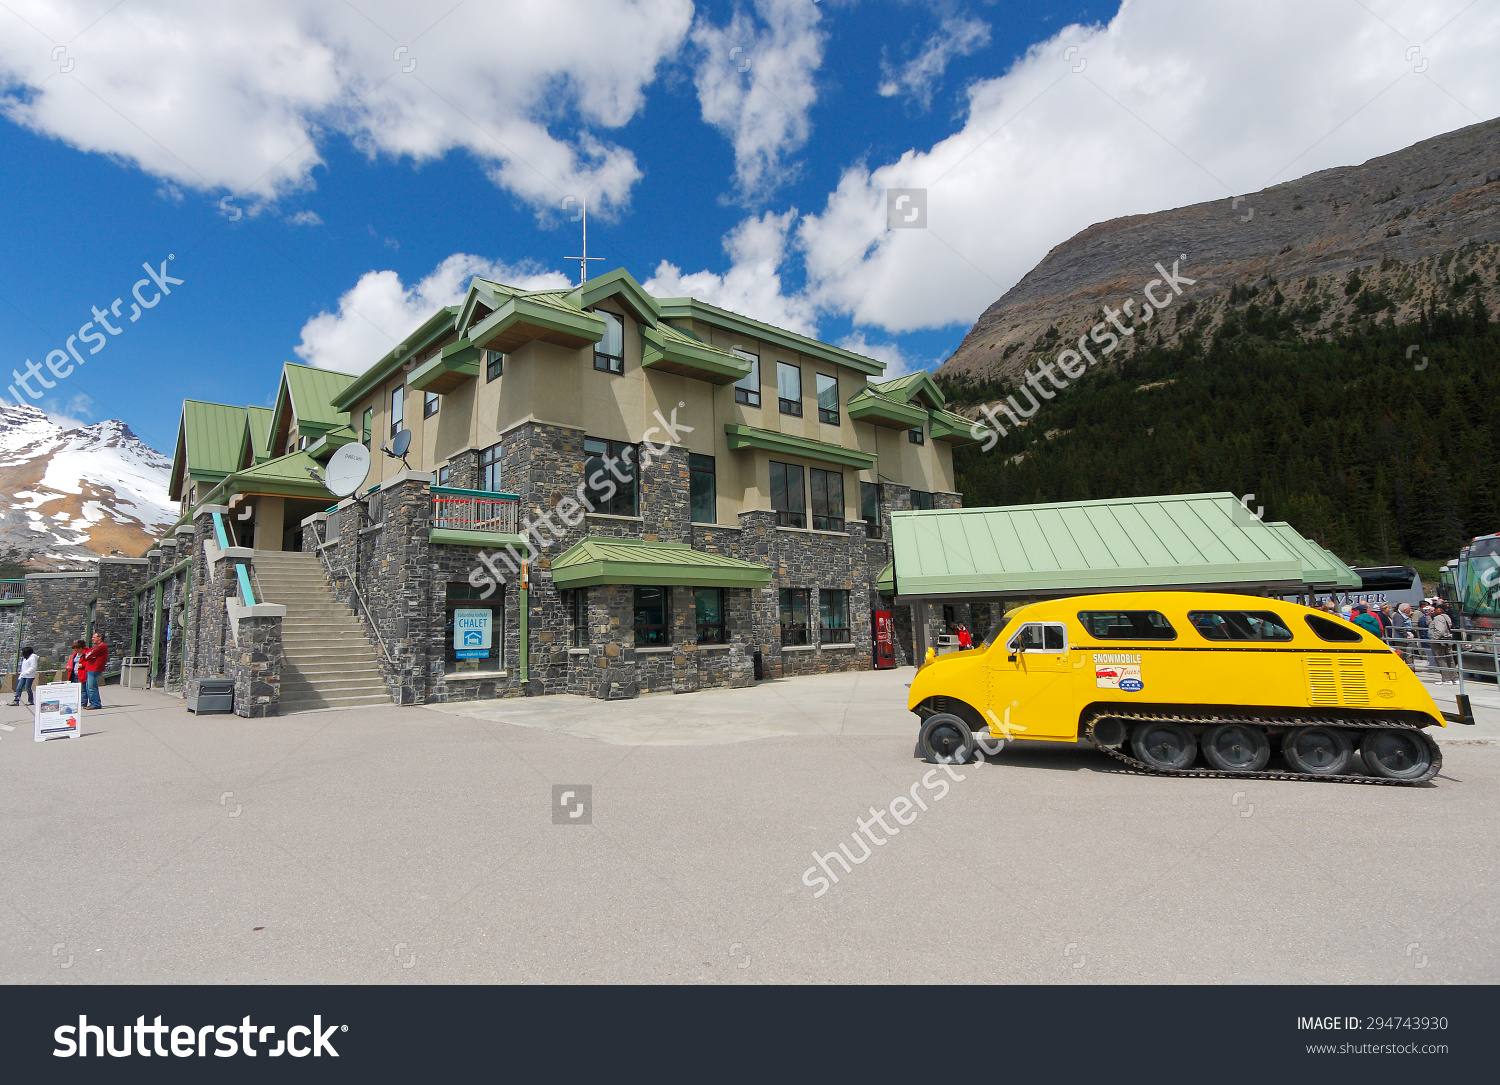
(474, 510)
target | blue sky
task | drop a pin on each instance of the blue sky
(760, 189)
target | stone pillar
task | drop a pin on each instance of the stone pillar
(254, 662)
(666, 496)
(397, 585)
(612, 643)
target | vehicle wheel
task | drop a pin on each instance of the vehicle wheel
(1164, 745)
(947, 740)
(1237, 747)
(1318, 751)
(1396, 753)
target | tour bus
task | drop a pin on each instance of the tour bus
(1393, 584)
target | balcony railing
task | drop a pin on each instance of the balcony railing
(474, 510)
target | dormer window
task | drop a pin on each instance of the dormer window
(609, 352)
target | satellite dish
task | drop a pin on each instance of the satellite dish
(399, 444)
(346, 469)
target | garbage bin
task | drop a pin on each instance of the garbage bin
(760, 667)
(135, 672)
(215, 695)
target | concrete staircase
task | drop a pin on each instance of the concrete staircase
(328, 660)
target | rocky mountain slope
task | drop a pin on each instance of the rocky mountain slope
(73, 495)
(1375, 242)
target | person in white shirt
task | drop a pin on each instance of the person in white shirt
(26, 677)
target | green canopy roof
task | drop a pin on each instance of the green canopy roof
(1203, 541)
(1319, 567)
(209, 438)
(634, 561)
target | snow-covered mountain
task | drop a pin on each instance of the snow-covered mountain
(74, 494)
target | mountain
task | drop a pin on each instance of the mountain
(1353, 245)
(76, 494)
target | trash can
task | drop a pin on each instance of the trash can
(760, 667)
(215, 695)
(135, 672)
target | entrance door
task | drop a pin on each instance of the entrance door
(1031, 678)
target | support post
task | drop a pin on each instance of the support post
(919, 629)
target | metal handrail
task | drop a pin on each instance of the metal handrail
(354, 587)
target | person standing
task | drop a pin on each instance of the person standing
(26, 677)
(965, 641)
(93, 665)
(1365, 620)
(1424, 620)
(73, 668)
(1441, 627)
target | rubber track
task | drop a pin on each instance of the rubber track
(1130, 718)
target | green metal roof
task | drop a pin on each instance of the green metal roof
(954, 428)
(693, 309)
(1319, 566)
(1206, 541)
(312, 393)
(434, 328)
(791, 445)
(618, 284)
(209, 439)
(911, 386)
(677, 350)
(258, 433)
(285, 476)
(634, 561)
(877, 408)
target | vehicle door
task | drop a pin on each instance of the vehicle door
(1031, 683)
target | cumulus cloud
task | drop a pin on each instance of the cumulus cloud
(955, 37)
(206, 99)
(756, 83)
(752, 286)
(897, 362)
(75, 414)
(379, 310)
(1169, 104)
(306, 218)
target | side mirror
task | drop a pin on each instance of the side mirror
(1011, 658)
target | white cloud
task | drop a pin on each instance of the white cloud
(756, 85)
(1177, 103)
(752, 285)
(379, 310)
(306, 218)
(897, 362)
(955, 37)
(208, 99)
(75, 414)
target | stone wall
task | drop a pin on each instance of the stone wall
(255, 658)
(10, 641)
(55, 614)
(115, 611)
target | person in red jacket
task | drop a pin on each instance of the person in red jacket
(93, 665)
(73, 667)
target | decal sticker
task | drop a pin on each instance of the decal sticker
(1125, 677)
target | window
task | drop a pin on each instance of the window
(702, 493)
(489, 469)
(397, 399)
(747, 388)
(709, 605)
(367, 427)
(1126, 625)
(789, 389)
(578, 604)
(827, 499)
(916, 436)
(869, 507)
(921, 499)
(793, 616)
(1238, 625)
(430, 404)
(445, 472)
(833, 616)
(653, 628)
(609, 353)
(474, 630)
(494, 365)
(828, 399)
(786, 495)
(1332, 631)
(612, 463)
(1040, 637)
(303, 442)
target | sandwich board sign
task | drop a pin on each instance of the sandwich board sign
(471, 634)
(57, 710)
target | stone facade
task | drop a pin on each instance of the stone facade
(119, 579)
(10, 642)
(55, 614)
(254, 661)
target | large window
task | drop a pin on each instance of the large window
(489, 469)
(367, 427)
(869, 507)
(789, 389)
(921, 499)
(398, 399)
(828, 399)
(747, 388)
(430, 404)
(653, 618)
(787, 496)
(702, 491)
(474, 631)
(578, 604)
(833, 616)
(1127, 625)
(494, 365)
(709, 605)
(794, 616)
(609, 353)
(1238, 625)
(612, 463)
(827, 499)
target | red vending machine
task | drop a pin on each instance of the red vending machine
(883, 629)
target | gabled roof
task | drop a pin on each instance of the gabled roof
(257, 441)
(618, 284)
(912, 388)
(209, 437)
(311, 393)
(955, 428)
(285, 476)
(634, 561)
(877, 408)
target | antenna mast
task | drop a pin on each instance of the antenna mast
(583, 261)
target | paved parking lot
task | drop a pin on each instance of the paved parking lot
(412, 845)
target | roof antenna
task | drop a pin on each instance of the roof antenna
(583, 261)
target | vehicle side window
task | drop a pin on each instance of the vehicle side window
(1040, 637)
(1053, 635)
(1126, 625)
(1238, 625)
(1028, 637)
(1332, 631)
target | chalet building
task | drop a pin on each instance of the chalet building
(605, 493)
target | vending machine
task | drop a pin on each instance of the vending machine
(883, 629)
